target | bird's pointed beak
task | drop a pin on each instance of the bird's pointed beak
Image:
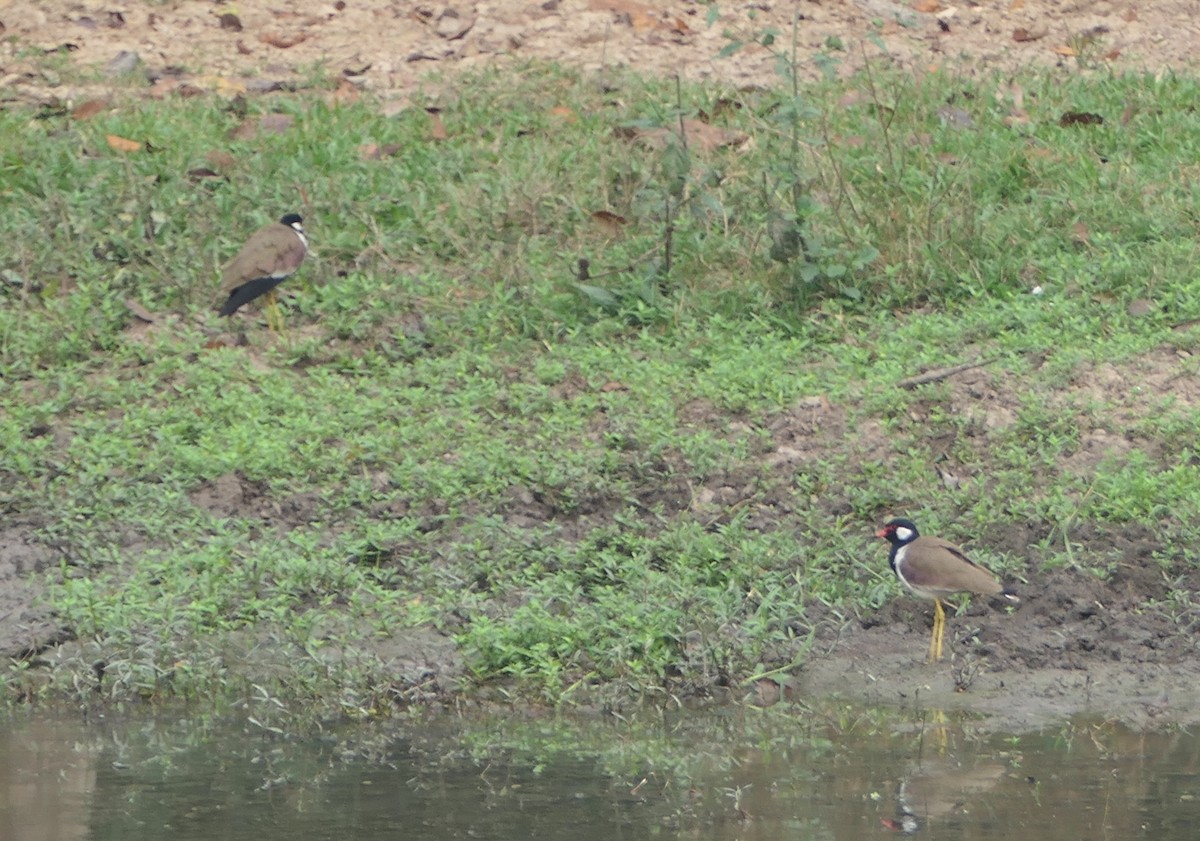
(882, 533)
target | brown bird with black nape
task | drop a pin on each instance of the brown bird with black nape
(933, 568)
(268, 258)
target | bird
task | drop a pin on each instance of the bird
(268, 258)
(933, 568)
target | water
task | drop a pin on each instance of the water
(738, 774)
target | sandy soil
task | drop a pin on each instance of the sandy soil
(1075, 644)
(388, 46)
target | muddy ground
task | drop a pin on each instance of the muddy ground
(1075, 644)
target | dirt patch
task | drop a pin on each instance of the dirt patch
(27, 625)
(387, 47)
(232, 495)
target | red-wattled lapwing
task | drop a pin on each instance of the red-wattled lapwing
(267, 259)
(933, 569)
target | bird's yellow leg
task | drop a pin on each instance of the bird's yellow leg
(940, 734)
(274, 316)
(939, 631)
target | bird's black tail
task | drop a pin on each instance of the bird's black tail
(247, 292)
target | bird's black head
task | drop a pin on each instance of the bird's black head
(292, 220)
(899, 531)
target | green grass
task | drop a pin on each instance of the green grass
(575, 479)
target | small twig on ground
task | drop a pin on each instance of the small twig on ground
(939, 374)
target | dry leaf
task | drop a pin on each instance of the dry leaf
(221, 84)
(375, 152)
(230, 87)
(926, 6)
(1079, 233)
(700, 136)
(1021, 34)
(1080, 118)
(951, 481)
(346, 91)
(220, 159)
(89, 109)
(283, 40)
(564, 113)
(1064, 50)
(162, 87)
(1016, 5)
(139, 311)
(1017, 115)
(202, 172)
(610, 222)
(639, 16)
(267, 123)
(276, 123)
(437, 129)
(122, 144)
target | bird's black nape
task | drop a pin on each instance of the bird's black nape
(291, 219)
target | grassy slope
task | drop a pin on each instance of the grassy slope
(444, 373)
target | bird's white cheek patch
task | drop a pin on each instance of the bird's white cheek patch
(904, 534)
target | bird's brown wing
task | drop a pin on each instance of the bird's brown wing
(261, 256)
(938, 566)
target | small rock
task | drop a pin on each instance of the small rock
(123, 63)
(955, 117)
(1140, 307)
(452, 26)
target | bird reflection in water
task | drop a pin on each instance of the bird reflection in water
(941, 788)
